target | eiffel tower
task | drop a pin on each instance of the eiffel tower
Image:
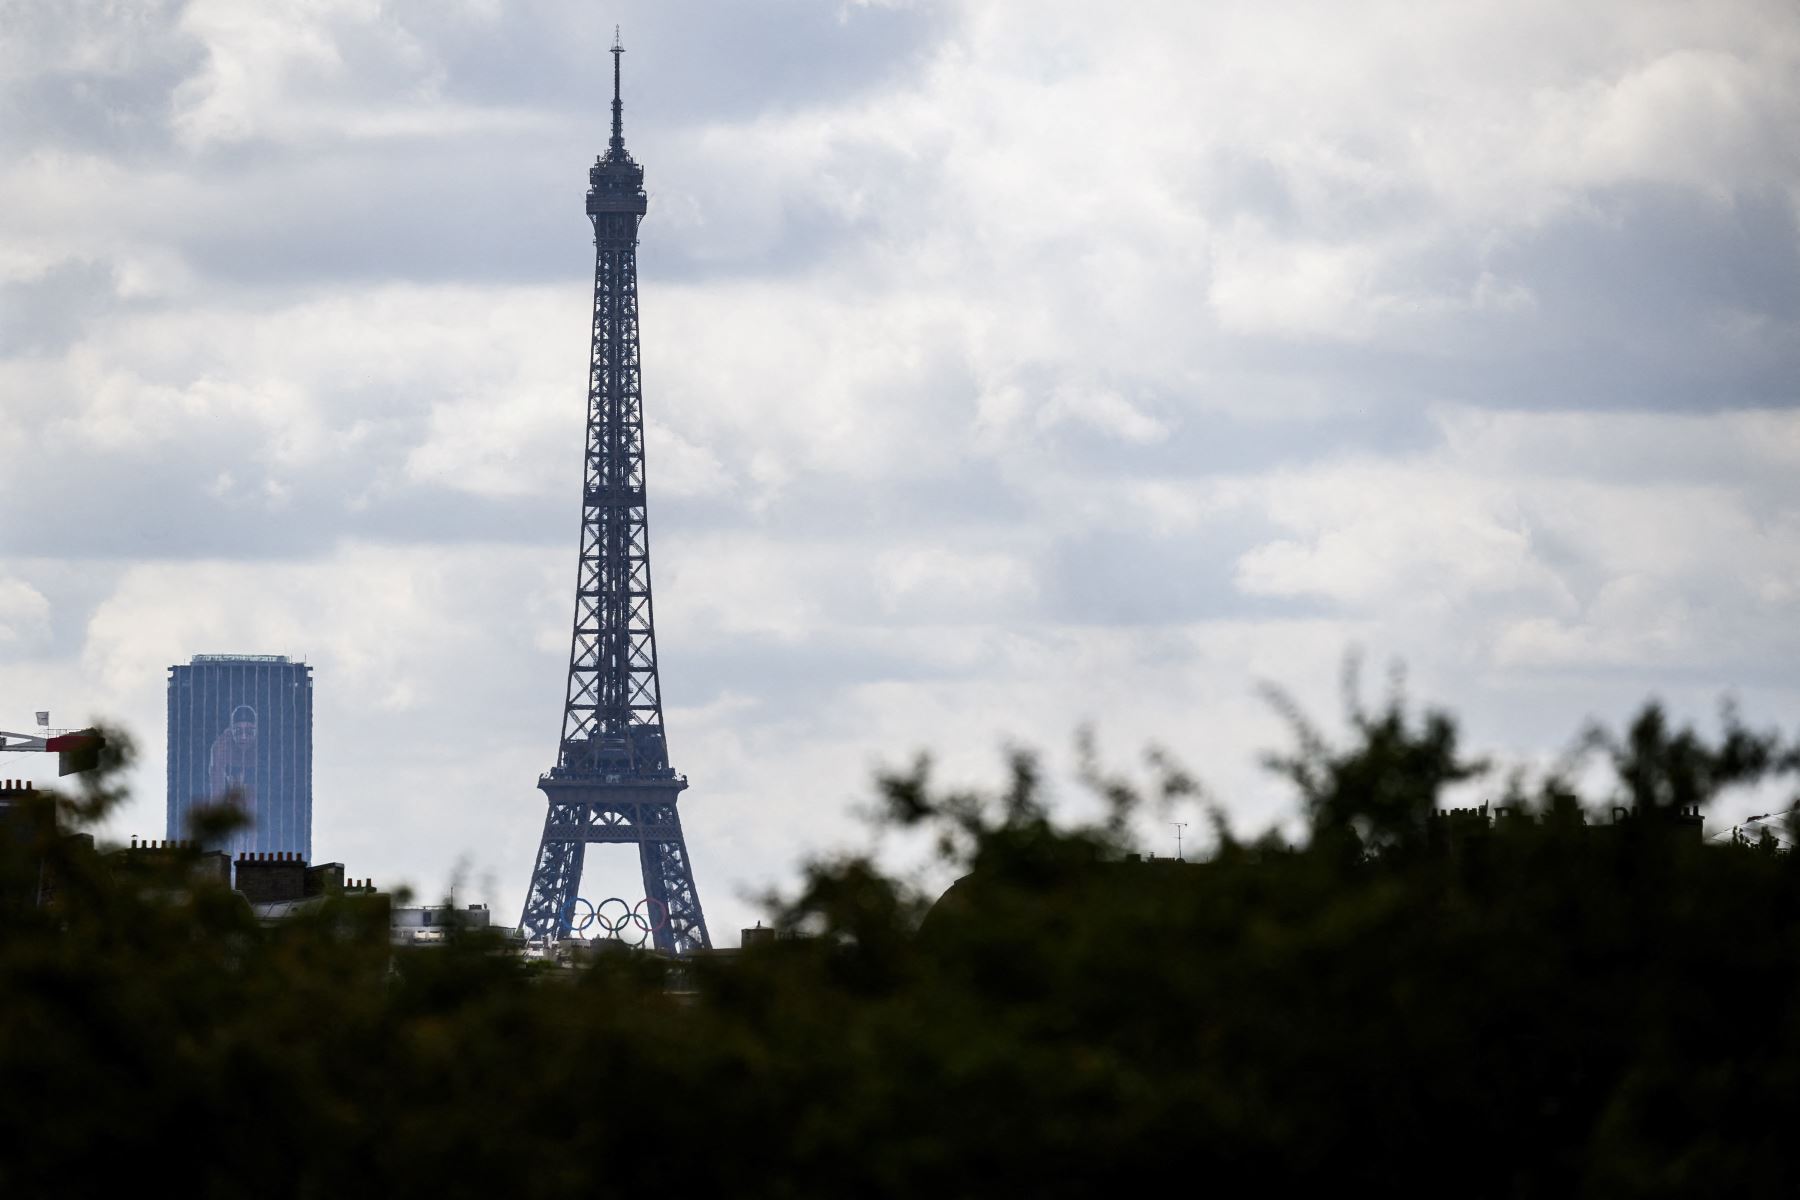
(612, 781)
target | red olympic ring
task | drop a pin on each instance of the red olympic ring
(644, 924)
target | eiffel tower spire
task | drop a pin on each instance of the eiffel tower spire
(612, 781)
(615, 149)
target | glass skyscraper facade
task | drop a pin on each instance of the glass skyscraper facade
(240, 732)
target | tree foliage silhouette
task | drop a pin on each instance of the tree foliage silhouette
(1402, 1000)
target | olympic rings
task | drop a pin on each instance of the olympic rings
(633, 924)
(613, 926)
(643, 922)
(580, 925)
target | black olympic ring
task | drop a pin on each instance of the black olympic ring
(632, 924)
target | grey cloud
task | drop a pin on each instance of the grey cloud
(1651, 299)
(685, 60)
(1636, 305)
(47, 314)
(1120, 576)
(207, 499)
(93, 77)
(430, 205)
(412, 210)
(78, 588)
(1248, 406)
(120, 116)
(781, 676)
(1235, 181)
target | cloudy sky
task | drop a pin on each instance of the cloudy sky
(1007, 367)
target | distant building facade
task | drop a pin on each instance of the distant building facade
(240, 732)
(425, 925)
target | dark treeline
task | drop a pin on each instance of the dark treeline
(1553, 1004)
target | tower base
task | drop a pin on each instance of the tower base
(613, 809)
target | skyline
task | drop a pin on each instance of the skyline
(1006, 368)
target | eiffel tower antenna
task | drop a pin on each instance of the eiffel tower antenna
(612, 781)
(616, 147)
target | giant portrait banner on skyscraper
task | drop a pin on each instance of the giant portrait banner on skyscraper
(240, 734)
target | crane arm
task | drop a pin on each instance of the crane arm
(75, 749)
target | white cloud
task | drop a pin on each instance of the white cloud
(977, 586)
(24, 615)
(1559, 539)
(1387, 536)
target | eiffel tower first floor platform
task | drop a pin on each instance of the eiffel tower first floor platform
(632, 811)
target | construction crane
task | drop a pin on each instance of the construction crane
(75, 749)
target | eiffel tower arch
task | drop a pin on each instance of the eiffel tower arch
(612, 782)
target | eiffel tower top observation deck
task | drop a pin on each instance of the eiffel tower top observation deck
(612, 781)
(616, 182)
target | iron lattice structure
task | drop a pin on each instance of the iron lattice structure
(612, 781)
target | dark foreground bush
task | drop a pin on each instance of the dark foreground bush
(1542, 1005)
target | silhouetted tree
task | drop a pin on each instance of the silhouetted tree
(1404, 1000)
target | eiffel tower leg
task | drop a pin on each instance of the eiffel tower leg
(550, 904)
(649, 860)
(670, 880)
